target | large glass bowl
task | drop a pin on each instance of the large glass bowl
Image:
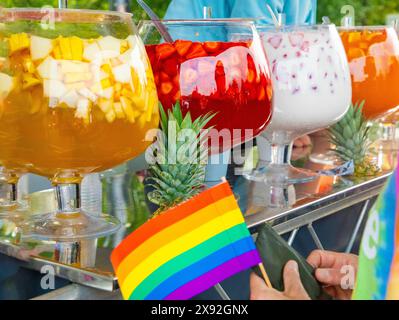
(311, 91)
(78, 96)
(373, 56)
(215, 66)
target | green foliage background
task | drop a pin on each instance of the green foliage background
(368, 12)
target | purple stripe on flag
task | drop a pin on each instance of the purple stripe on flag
(213, 277)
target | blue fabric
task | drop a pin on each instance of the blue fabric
(297, 11)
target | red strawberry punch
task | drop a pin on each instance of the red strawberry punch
(225, 78)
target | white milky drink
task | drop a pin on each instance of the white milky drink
(310, 77)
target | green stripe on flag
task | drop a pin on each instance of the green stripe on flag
(188, 258)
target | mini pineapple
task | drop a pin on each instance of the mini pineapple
(352, 142)
(174, 176)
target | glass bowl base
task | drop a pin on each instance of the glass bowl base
(281, 175)
(69, 227)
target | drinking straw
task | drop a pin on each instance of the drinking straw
(62, 4)
(157, 21)
(274, 17)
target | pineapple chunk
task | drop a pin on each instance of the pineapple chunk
(18, 42)
(122, 73)
(29, 67)
(49, 69)
(70, 48)
(77, 77)
(110, 47)
(110, 116)
(119, 110)
(6, 85)
(68, 66)
(152, 103)
(54, 89)
(105, 105)
(128, 109)
(40, 48)
(87, 93)
(83, 110)
(92, 52)
(71, 99)
(106, 83)
(37, 100)
(75, 86)
(107, 93)
(29, 81)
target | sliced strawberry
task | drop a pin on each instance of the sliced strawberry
(164, 51)
(261, 94)
(164, 77)
(220, 69)
(182, 47)
(196, 51)
(166, 88)
(212, 46)
(169, 66)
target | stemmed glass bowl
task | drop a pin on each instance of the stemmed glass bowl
(78, 97)
(217, 66)
(311, 91)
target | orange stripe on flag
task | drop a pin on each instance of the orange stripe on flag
(172, 233)
(166, 219)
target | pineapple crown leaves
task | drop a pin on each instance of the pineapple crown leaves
(174, 176)
(351, 137)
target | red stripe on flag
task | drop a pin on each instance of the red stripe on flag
(166, 219)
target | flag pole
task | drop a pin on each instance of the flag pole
(265, 276)
(222, 293)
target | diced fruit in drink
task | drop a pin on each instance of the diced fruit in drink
(182, 47)
(40, 47)
(189, 75)
(296, 39)
(118, 110)
(88, 94)
(354, 37)
(110, 116)
(71, 99)
(92, 52)
(70, 48)
(122, 73)
(105, 105)
(54, 88)
(196, 51)
(354, 53)
(49, 69)
(83, 110)
(110, 47)
(77, 77)
(128, 109)
(68, 66)
(6, 85)
(29, 81)
(166, 88)
(164, 51)
(18, 42)
(275, 41)
(212, 46)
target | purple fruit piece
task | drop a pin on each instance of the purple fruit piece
(298, 54)
(325, 74)
(285, 55)
(315, 88)
(275, 41)
(296, 39)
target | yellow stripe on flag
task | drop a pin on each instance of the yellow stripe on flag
(176, 230)
(177, 247)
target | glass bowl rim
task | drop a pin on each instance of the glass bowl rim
(295, 26)
(68, 10)
(377, 27)
(234, 21)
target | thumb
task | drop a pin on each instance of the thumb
(292, 282)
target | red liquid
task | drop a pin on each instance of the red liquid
(219, 77)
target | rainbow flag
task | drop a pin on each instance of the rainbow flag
(378, 273)
(186, 250)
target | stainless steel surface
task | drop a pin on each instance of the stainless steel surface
(313, 201)
(78, 292)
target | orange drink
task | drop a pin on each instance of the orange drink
(373, 55)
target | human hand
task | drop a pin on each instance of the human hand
(302, 142)
(292, 283)
(329, 271)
